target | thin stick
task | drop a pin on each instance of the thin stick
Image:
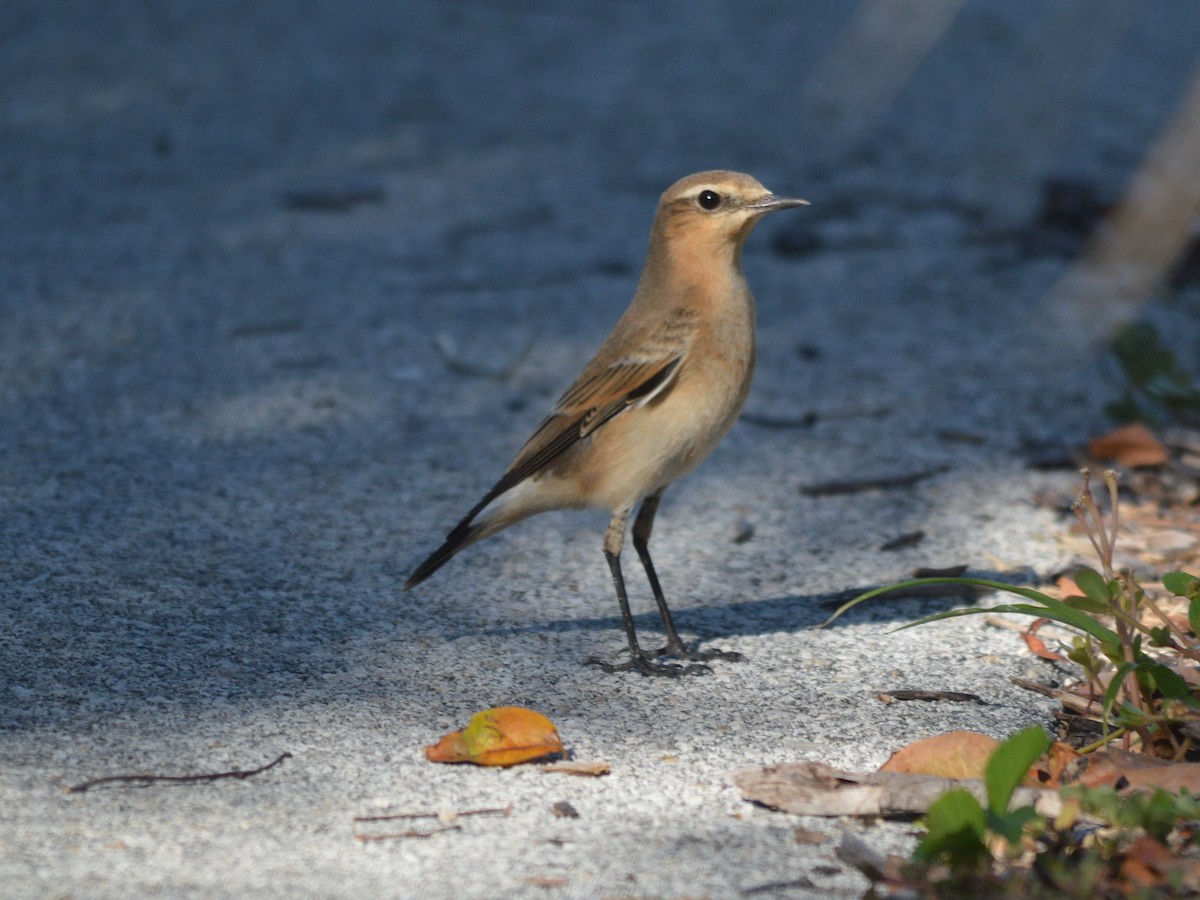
(401, 835)
(147, 780)
(499, 811)
(1042, 689)
(882, 483)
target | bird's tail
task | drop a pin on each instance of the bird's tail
(465, 533)
(503, 505)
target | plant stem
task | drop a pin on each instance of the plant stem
(1107, 739)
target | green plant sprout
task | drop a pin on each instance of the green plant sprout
(1142, 695)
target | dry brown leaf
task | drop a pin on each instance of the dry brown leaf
(959, 754)
(815, 789)
(570, 767)
(1130, 445)
(1059, 757)
(503, 736)
(1136, 772)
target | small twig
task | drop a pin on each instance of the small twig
(951, 696)
(884, 482)
(499, 811)
(1093, 524)
(1044, 690)
(774, 887)
(401, 835)
(910, 539)
(1114, 507)
(147, 780)
(1184, 648)
(445, 346)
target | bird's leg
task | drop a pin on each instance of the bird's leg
(638, 661)
(642, 526)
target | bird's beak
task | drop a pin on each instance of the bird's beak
(770, 203)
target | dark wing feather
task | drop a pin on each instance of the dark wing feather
(627, 385)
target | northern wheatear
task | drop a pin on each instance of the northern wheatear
(662, 390)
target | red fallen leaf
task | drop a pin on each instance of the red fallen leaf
(503, 736)
(1130, 445)
(959, 754)
(1037, 645)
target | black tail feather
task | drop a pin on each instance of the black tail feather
(460, 537)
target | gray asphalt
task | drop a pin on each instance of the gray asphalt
(233, 238)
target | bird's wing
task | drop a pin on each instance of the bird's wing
(588, 406)
(607, 387)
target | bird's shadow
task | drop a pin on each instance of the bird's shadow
(748, 618)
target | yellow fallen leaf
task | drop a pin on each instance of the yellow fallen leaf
(503, 736)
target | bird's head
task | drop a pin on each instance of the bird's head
(712, 209)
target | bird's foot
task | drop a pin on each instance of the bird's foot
(644, 664)
(680, 650)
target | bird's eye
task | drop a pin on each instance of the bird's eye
(709, 200)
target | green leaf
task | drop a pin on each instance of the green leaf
(956, 824)
(1008, 765)
(1181, 584)
(1114, 687)
(1010, 825)
(1160, 636)
(1171, 684)
(1159, 816)
(1114, 650)
(1083, 654)
(1130, 716)
(1094, 586)
(1061, 613)
(1087, 604)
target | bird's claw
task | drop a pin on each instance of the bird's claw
(646, 666)
(680, 650)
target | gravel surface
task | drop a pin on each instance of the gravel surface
(245, 251)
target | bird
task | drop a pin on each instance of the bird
(664, 387)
